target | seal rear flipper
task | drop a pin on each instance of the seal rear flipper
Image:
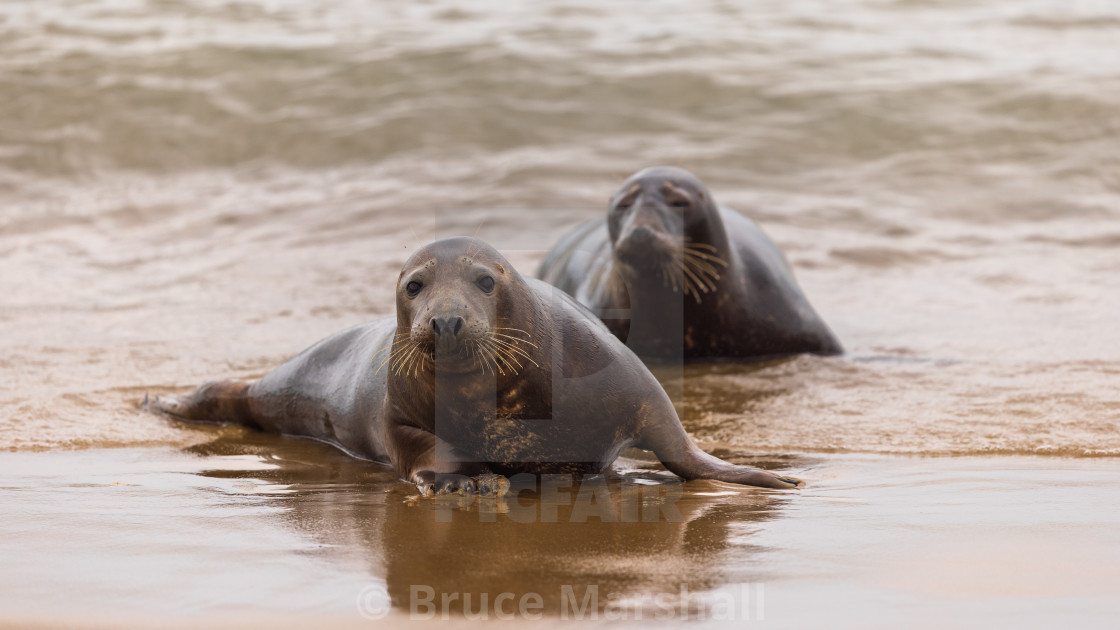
(683, 458)
(217, 402)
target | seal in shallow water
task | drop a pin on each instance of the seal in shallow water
(677, 277)
(481, 372)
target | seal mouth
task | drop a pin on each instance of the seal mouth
(445, 347)
(683, 267)
(447, 356)
(644, 247)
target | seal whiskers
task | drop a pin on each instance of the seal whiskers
(697, 267)
(501, 353)
(395, 348)
(410, 359)
(511, 344)
(485, 357)
(501, 358)
(691, 270)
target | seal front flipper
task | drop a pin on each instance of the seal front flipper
(677, 452)
(434, 466)
(436, 484)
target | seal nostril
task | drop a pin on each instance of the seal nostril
(442, 325)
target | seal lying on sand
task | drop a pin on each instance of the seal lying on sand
(481, 372)
(677, 277)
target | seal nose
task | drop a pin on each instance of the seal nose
(642, 236)
(445, 327)
(639, 246)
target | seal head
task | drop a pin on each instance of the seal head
(455, 299)
(666, 231)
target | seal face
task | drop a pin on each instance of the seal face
(481, 372)
(450, 309)
(678, 277)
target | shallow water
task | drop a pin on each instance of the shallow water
(245, 526)
(191, 190)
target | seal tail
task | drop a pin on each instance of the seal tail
(217, 402)
(683, 458)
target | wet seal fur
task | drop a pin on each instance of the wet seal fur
(481, 373)
(678, 277)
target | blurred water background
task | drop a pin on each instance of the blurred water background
(203, 188)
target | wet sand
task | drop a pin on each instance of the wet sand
(247, 526)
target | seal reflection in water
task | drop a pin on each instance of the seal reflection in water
(467, 547)
(481, 373)
(678, 277)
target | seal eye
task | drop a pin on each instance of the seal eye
(486, 283)
(412, 288)
(679, 203)
(624, 203)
